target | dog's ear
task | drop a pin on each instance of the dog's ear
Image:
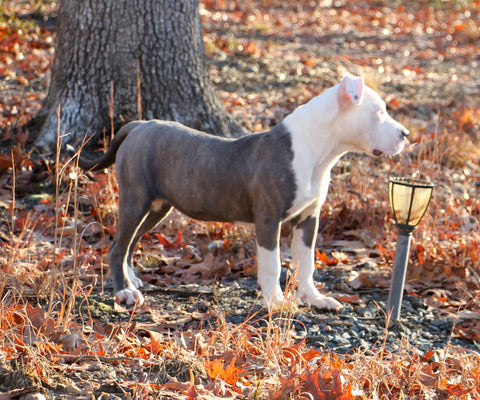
(350, 91)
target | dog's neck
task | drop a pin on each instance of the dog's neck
(311, 128)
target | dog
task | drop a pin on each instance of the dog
(263, 179)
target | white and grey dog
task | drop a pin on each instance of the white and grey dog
(263, 179)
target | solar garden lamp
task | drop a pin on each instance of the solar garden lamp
(409, 199)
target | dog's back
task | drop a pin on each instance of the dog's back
(205, 176)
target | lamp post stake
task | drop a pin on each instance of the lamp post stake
(399, 273)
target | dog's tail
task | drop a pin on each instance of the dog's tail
(108, 158)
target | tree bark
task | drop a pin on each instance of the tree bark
(110, 53)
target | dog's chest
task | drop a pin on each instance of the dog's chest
(312, 189)
(312, 176)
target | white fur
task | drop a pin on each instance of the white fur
(304, 258)
(268, 275)
(347, 117)
(129, 296)
(137, 282)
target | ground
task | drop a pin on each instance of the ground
(204, 321)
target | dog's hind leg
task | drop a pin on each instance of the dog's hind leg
(131, 217)
(133, 222)
(154, 216)
(304, 234)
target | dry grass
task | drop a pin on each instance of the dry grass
(50, 345)
(240, 361)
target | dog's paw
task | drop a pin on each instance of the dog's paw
(310, 294)
(129, 296)
(273, 304)
(324, 302)
(273, 296)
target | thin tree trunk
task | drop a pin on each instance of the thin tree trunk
(118, 50)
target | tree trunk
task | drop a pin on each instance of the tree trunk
(110, 53)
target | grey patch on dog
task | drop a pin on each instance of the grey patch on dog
(308, 225)
(276, 188)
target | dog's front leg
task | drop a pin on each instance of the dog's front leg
(268, 260)
(304, 235)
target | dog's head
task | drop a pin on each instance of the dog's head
(363, 121)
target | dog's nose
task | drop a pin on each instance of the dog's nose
(405, 133)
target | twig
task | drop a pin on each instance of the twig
(104, 359)
(13, 394)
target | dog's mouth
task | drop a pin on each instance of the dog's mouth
(377, 153)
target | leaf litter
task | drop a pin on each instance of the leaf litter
(204, 333)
